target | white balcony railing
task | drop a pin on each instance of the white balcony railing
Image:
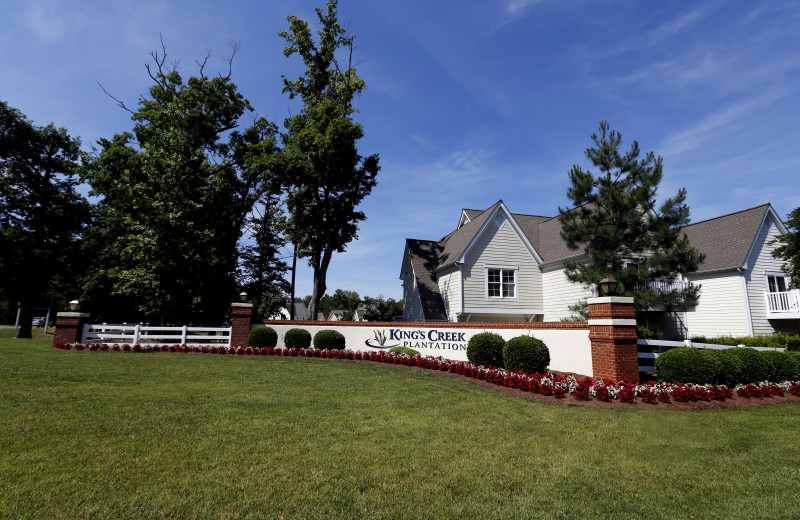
(666, 286)
(787, 301)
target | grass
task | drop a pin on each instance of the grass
(112, 435)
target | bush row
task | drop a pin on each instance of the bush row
(777, 340)
(265, 337)
(730, 367)
(521, 353)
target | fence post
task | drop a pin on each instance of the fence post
(137, 331)
(69, 327)
(184, 333)
(240, 323)
(612, 332)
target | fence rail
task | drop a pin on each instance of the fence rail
(647, 359)
(154, 335)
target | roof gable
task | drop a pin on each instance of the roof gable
(498, 209)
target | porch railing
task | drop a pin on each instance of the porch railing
(666, 286)
(787, 301)
(154, 335)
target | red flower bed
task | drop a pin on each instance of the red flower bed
(546, 384)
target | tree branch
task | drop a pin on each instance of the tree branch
(119, 102)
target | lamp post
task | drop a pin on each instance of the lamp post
(243, 297)
(608, 286)
(74, 305)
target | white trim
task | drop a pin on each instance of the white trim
(609, 299)
(746, 300)
(494, 310)
(755, 237)
(621, 322)
(525, 242)
(514, 269)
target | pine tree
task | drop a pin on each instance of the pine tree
(615, 221)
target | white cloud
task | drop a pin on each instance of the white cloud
(710, 127)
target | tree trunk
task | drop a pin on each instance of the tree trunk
(294, 270)
(26, 317)
(320, 277)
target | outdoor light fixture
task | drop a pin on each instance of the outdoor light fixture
(74, 305)
(243, 296)
(608, 286)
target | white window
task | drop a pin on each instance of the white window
(776, 283)
(501, 282)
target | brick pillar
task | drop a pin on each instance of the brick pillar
(69, 327)
(612, 331)
(240, 324)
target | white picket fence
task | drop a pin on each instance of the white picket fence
(154, 335)
(647, 359)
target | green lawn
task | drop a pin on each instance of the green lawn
(112, 435)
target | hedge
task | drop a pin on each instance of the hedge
(329, 339)
(486, 349)
(404, 350)
(777, 340)
(262, 337)
(738, 365)
(297, 338)
(526, 353)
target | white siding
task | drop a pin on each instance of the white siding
(560, 293)
(761, 260)
(450, 289)
(721, 308)
(500, 245)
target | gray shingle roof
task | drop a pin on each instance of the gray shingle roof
(726, 240)
(424, 258)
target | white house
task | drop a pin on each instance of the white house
(300, 312)
(503, 266)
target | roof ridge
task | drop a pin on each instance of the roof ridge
(726, 215)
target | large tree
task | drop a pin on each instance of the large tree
(174, 196)
(326, 176)
(789, 249)
(625, 236)
(41, 214)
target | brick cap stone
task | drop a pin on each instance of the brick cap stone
(245, 305)
(610, 299)
(619, 322)
(73, 315)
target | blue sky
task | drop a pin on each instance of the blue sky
(466, 102)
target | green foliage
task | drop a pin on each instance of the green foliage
(729, 367)
(404, 350)
(174, 196)
(486, 349)
(262, 337)
(326, 176)
(789, 249)
(329, 339)
(776, 340)
(643, 331)
(299, 338)
(526, 353)
(379, 309)
(685, 365)
(41, 215)
(615, 221)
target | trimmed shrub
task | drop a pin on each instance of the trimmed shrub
(730, 368)
(486, 349)
(526, 353)
(329, 339)
(404, 350)
(753, 368)
(297, 338)
(685, 365)
(262, 337)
